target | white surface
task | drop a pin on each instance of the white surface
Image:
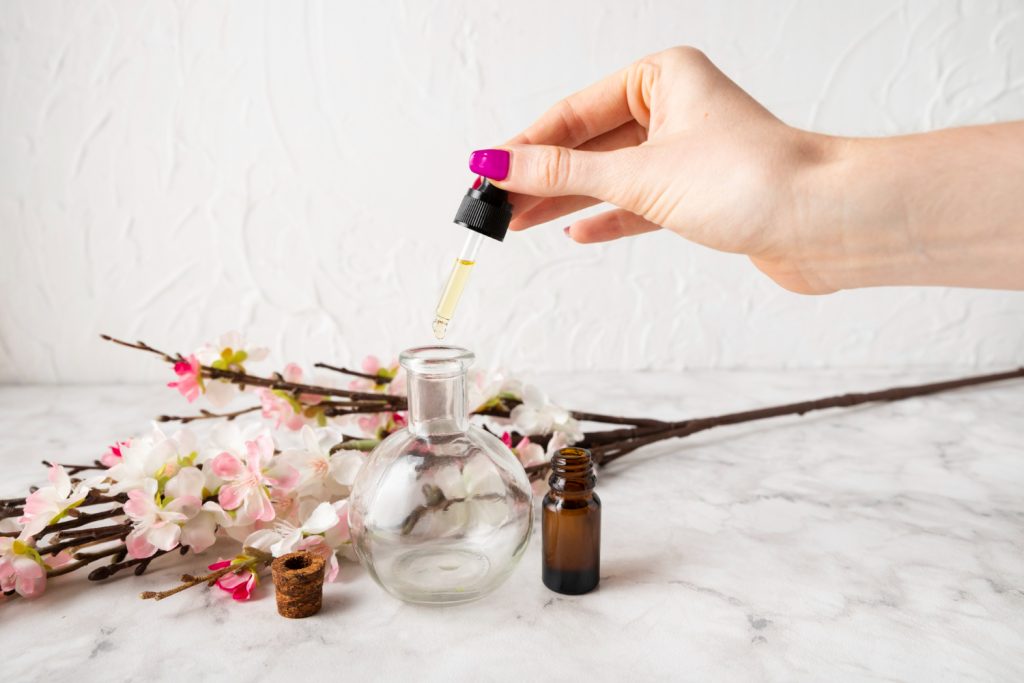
(171, 170)
(881, 543)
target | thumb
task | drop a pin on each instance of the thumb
(546, 170)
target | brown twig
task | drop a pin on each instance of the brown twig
(244, 379)
(104, 534)
(81, 520)
(207, 415)
(614, 420)
(188, 581)
(143, 346)
(536, 472)
(77, 533)
(377, 379)
(634, 439)
(332, 409)
(83, 559)
(506, 405)
(140, 564)
(75, 469)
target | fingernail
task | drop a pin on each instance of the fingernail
(565, 231)
(490, 163)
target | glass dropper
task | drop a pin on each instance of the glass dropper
(456, 283)
(485, 212)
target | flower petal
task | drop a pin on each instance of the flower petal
(220, 394)
(200, 532)
(229, 497)
(164, 535)
(345, 466)
(188, 482)
(60, 480)
(263, 540)
(227, 466)
(137, 545)
(324, 517)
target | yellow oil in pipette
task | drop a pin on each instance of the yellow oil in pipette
(486, 212)
(451, 295)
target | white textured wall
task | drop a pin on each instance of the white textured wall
(169, 170)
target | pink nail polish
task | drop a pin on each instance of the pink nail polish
(565, 231)
(490, 163)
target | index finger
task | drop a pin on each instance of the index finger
(584, 115)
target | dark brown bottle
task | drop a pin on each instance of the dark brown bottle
(571, 524)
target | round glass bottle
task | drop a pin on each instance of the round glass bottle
(442, 510)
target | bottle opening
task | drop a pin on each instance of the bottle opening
(436, 361)
(572, 461)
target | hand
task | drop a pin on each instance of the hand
(673, 143)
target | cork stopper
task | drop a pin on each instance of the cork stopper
(299, 584)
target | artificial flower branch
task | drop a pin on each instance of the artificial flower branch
(243, 379)
(156, 494)
(254, 561)
(629, 440)
(377, 379)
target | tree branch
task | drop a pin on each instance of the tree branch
(207, 415)
(636, 438)
(377, 379)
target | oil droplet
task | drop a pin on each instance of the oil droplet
(440, 327)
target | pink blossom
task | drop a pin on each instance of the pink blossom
(156, 523)
(21, 568)
(394, 381)
(280, 409)
(379, 425)
(49, 504)
(164, 517)
(230, 351)
(324, 532)
(526, 451)
(239, 584)
(113, 455)
(318, 546)
(249, 478)
(323, 475)
(539, 416)
(371, 365)
(154, 456)
(282, 406)
(191, 383)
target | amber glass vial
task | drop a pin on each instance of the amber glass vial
(571, 524)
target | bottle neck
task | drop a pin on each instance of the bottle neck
(437, 404)
(572, 473)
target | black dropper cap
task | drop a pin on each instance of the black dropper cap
(485, 209)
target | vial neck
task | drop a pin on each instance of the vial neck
(437, 404)
(572, 473)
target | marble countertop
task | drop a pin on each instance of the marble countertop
(878, 543)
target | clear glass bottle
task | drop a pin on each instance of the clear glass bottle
(571, 525)
(442, 511)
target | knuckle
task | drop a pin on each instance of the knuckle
(555, 168)
(574, 128)
(692, 67)
(685, 55)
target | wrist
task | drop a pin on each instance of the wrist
(852, 223)
(807, 253)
